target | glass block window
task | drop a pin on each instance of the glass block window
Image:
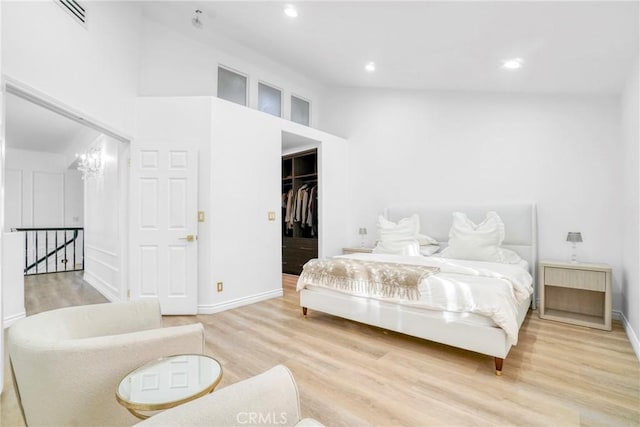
(232, 86)
(300, 110)
(269, 100)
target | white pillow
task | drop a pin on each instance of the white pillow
(479, 242)
(426, 240)
(401, 238)
(428, 250)
(405, 229)
(509, 257)
(398, 247)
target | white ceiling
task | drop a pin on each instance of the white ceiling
(570, 46)
(32, 127)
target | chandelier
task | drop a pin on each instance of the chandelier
(90, 163)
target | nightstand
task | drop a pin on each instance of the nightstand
(356, 250)
(579, 293)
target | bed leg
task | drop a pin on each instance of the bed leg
(499, 362)
(304, 311)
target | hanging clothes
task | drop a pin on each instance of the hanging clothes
(288, 215)
(299, 205)
(311, 207)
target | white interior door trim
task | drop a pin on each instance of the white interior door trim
(32, 94)
(29, 93)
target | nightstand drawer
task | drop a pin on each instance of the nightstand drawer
(576, 279)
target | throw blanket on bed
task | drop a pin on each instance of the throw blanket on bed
(378, 279)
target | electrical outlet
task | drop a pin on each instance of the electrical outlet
(219, 286)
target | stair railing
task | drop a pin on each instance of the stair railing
(63, 249)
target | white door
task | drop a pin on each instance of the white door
(164, 252)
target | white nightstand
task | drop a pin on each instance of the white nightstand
(579, 293)
(357, 250)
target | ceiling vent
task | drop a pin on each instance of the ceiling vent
(75, 10)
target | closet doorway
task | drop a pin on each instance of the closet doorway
(300, 201)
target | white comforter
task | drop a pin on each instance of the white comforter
(486, 288)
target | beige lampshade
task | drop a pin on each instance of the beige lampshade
(574, 237)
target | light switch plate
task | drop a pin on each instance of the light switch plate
(272, 216)
(200, 216)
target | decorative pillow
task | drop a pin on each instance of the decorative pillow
(509, 257)
(398, 247)
(428, 250)
(425, 240)
(405, 229)
(401, 238)
(479, 242)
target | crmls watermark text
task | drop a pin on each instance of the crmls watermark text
(261, 418)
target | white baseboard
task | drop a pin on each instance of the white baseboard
(101, 286)
(9, 320)
(631, 334)
(239, 302)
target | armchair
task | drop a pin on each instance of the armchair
(270, 398)
(67, 363)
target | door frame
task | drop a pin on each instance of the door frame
(9, 85)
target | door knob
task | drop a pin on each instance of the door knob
(189, 238)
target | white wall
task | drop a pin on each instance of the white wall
(172, 64)
(12, 278)
(631, 208)
(246, 181)
(92, 69)
(562, 152)
(73, 198)
(105, 216)
(239, 183)
(246, 248)
(2, 171)
(40, 191)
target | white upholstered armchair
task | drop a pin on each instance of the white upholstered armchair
(67, 363)
(268, 399)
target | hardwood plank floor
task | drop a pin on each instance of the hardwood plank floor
(44, 292)
(350, 374)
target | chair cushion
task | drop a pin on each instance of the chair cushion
(270, 398)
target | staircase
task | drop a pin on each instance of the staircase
(53, 250)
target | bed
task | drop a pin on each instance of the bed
(469, 331)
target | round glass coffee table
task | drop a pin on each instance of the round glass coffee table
(167, 382)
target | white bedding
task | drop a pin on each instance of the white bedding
(485, 288)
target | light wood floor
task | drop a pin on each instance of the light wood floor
(46, 292)
(351, 374)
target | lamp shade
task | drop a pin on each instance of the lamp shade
(574, 237)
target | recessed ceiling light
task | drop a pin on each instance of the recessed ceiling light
(291, 11)
(370, 66)
(512, 64)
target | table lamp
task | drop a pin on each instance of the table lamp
(362, 231)
(574, 237)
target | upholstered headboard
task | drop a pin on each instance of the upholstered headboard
(520, 222)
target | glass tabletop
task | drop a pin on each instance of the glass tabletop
(169, 381)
